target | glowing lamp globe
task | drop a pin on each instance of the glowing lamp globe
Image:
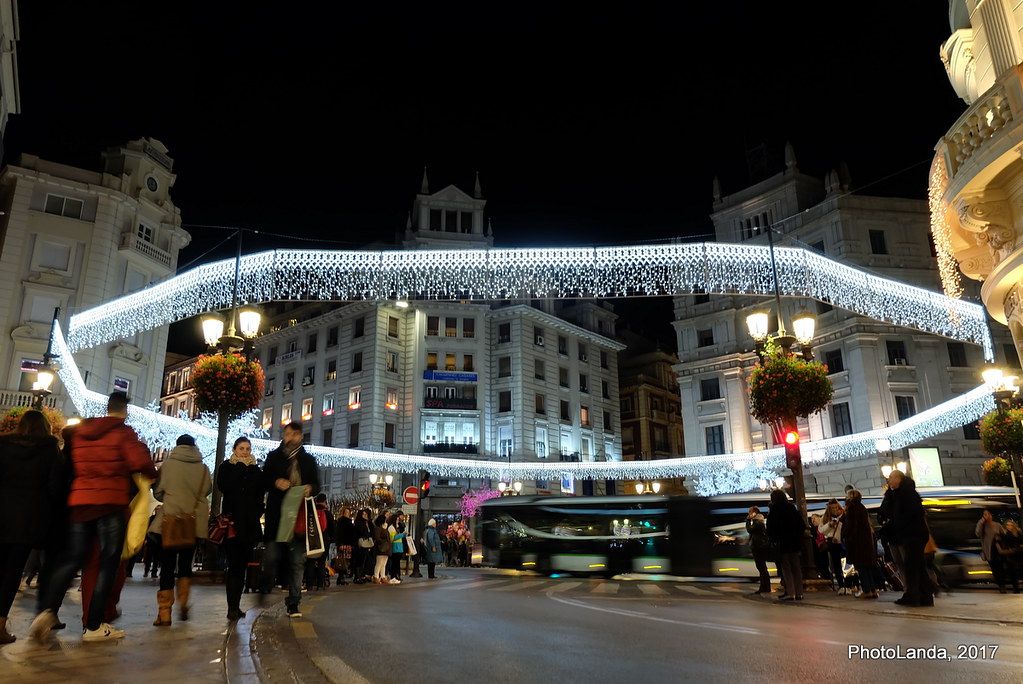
(249, 319)
(212, 328)
(44, 378)
(804, 325)
(757, 323)
(992, 376)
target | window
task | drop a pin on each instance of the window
(468, 327)
(626, 405)
(582, 352)
(504, 402)
(905, 407)
(450, 327)
(271, 356)
(145, 233)
(63, 206)
(710, 389)
(1011, 356)
(390, 429)
(392, 327)
(504, 367)
(504, 332)
(538, 336)
(57, 256)
(432, 325)
(392, 399)
(896, 353)
(328, 437)
(286, 414)
(605, 389)
(185, 378)
(504, 441)
(541, 442)
(467, 364)
(450, 393)
(957, 354)
(309, 377)
(307, 409)
(563, 376)
(311, 344)
(268, 418)
(431, 360)
(833, 360)
(608, 426)
(539, 406)
(704, 338)
(824, 306)
(715, 439)
(562, 345)
(877, 242)
(971, 431)
(328, 404)
(584, 416)
(451, 221)
(392, 362)
(122, 385)
(356, 362)
(332, 337)
(289, 381)
(841, 424)
(601, 326)
(584, 383)
(539, 371)
(435, 219)
(355, 397)
(292, 346)
(566, 411)
(603, 359)
(332, 369)
(432, 392)
(270, 387)
(353, 436)
(450, 362)
(360, 327)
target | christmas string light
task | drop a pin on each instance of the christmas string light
(605, 272)
(948, 266)
(708, 474)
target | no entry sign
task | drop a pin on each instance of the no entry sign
(411, 495)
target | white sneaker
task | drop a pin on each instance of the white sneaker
(41, 628)
(394, 581)
(102, 633)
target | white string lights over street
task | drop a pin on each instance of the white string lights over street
(948, 266)
(604, 272)
(709, 474)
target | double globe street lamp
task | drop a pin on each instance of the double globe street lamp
(648, 487)
(1006, 393)
(509, 488)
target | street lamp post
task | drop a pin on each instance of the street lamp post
(238, 338)
(648, 487)
(46, 372)
(1006, 394)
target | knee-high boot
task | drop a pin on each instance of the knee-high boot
(164, 602)
(184, 587)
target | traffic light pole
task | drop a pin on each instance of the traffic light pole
(794, 461)
(420, 528)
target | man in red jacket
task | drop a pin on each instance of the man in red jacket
(104, 453)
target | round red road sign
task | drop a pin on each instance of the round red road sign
(411, 495)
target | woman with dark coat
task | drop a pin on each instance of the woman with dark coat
(860, 545)
(31, 481)
(345, 540)
(244, 487)
(362, 562)
(786, 529)
(760, 545)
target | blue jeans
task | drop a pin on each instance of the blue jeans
(110, 531)
(296, 567)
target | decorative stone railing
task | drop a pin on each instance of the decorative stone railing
(131, 241)
(978, 124)
(13, 398)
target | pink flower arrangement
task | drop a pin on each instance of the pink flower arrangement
(471, 501)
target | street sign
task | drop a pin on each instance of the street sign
(410, 495)
(408, 509)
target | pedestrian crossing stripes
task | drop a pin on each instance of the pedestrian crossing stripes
(606, 588)
(693, 590)
(652, 590)
(597, 588)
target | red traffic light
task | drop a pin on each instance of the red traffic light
(792, 437)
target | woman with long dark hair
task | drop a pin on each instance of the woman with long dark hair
(382, 549)
(362, 552)
(31, 479)
(244, 487)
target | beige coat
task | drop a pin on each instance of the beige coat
(183, 485)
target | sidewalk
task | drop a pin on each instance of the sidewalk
(984, 605)
(192, 651)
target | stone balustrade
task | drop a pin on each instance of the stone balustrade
(978, 125)
(13, 398)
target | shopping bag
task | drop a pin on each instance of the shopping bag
(290, 505)
(138, 520)
(314, 546)
(411, 546)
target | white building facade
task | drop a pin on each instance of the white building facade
(517, 380)
(881, 374)
(75, 238)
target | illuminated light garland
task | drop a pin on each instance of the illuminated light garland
(708, 474)
(948, 266)
(604, 272)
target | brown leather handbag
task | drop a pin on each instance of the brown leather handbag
(178, 531)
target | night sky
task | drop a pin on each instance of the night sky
(587, 125)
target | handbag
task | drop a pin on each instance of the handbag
(411, 546)
(178, 531)
(365, 543)
(314, 544)
(138, 520)
(222, 529)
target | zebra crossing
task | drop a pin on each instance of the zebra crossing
(602, 588)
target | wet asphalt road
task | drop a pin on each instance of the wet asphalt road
(495, 628)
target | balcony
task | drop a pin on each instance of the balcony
(452, 403)
(443, 448)
(978, 130)
(13, 398)
(131, 242)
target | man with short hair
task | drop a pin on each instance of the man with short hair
(104, 454)
(287, 466)
(909, 531)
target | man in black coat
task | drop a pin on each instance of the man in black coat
(787, 530)
(908, 531)
(287, 466)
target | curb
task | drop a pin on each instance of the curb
(917, 616)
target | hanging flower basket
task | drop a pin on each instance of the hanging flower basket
(996, 472)
(786, 387)
(9, 420)
(1001, 432)
(227, 382)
